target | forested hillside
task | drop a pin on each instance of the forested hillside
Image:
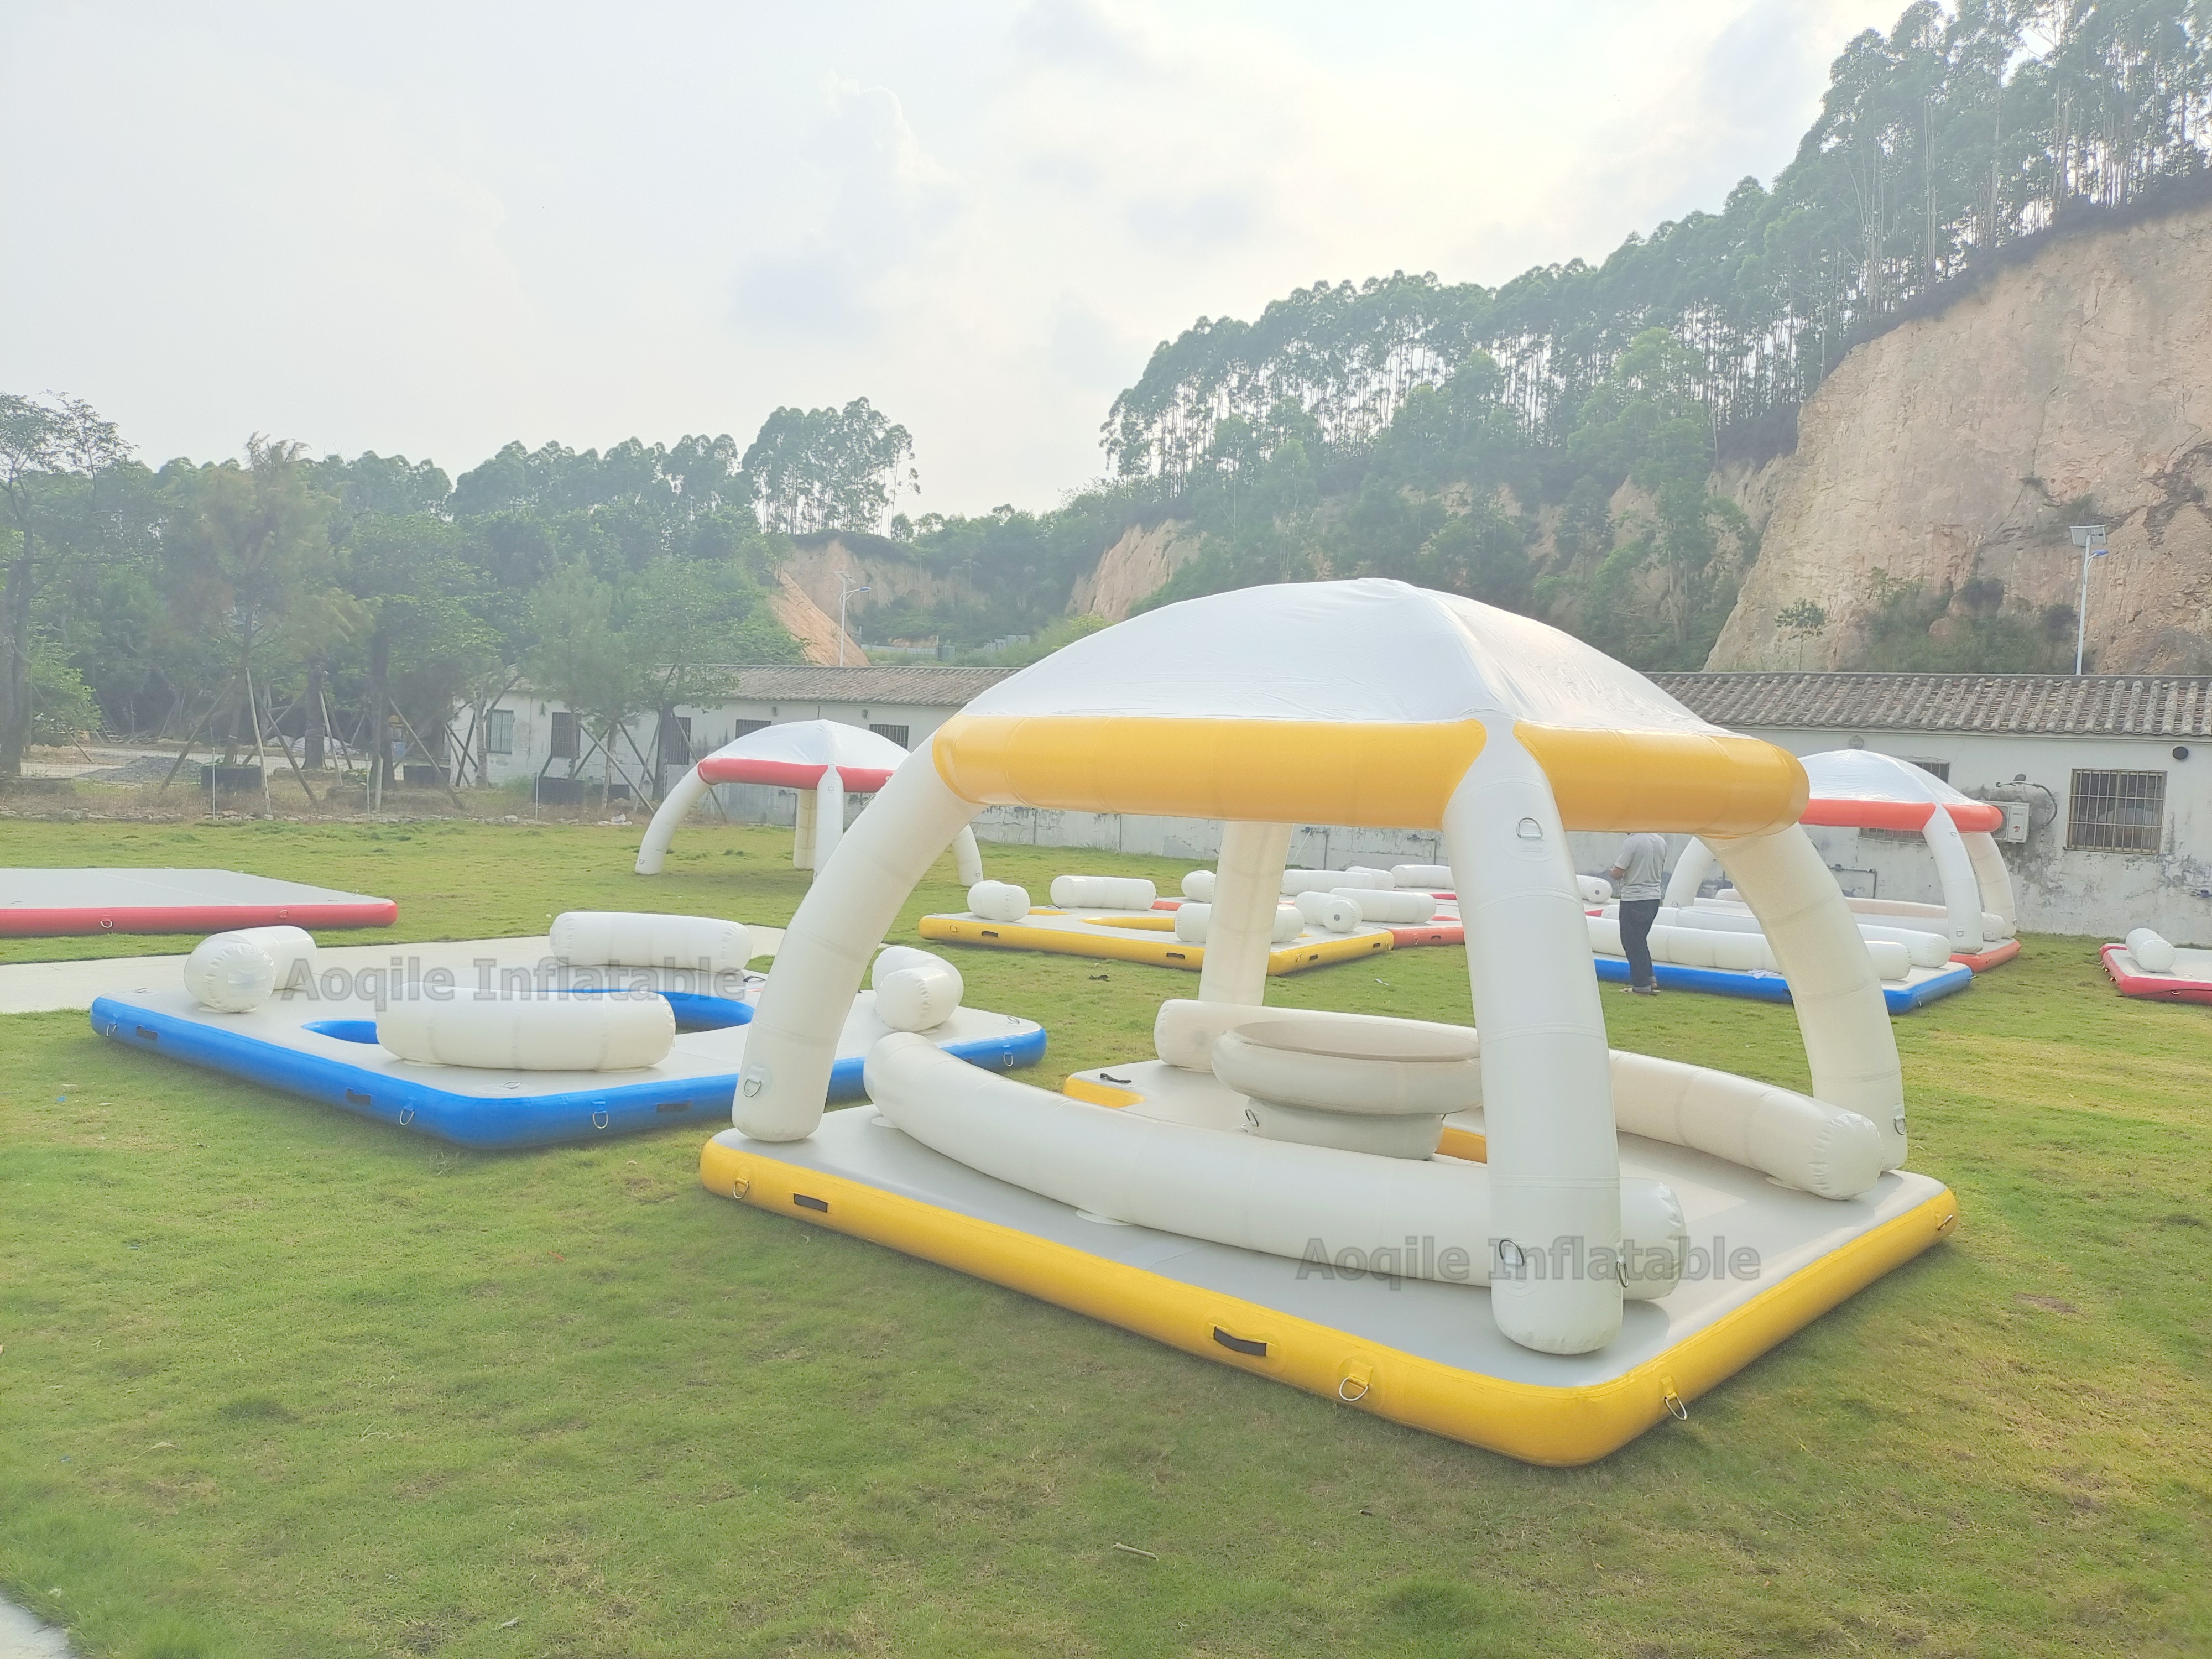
(1570, 442)
(1584, 442)
(351, 602)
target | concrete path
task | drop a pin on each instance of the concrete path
(38, 987)
(22, 1637)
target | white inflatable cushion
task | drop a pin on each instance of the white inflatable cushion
(642, 939)
(915, 990)
(1334, 1066)
(1330, 912)
(1191, 921)
(999, 900)
(1391, 907)
(225, 970)
(616, 1032)
(1290, 922)
(2150, 950)
(1437, 878)
(1597, 890)
(1102, 893)
(1198, 884)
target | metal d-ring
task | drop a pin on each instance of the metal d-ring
(1344, 1382)
(600, 1119)
(406, 1115)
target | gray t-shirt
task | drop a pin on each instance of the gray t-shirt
(1642, 865)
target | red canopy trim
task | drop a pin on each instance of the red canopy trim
(790, 774)
(1853, 814)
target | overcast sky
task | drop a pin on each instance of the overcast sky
(433, 229)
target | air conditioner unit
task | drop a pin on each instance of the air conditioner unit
(2015, 828)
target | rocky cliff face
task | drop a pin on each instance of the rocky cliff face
(1134, 567)
(1957, 448)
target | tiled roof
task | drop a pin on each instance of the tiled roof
(927, 685)
(2089, 705)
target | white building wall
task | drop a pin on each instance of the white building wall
(2059, 889)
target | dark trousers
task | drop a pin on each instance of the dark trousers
(1637, 916)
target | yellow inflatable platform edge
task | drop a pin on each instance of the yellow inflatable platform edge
(1154, 949)
(1556, 1426)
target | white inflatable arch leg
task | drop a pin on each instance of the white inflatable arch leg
(1247, 886)
(652, 852)
(1991, 878)
(1690, 872)
(828, 819)
(1816, 943)
(1954, 870)
(802, 832)
(1547, 1073)
(793, 1040)
(967, 857)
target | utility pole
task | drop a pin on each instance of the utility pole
(2090, 539)
(846, 594)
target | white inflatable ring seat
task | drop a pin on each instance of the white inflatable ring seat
(609, 1032)
(1384, 1090)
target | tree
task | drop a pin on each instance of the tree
(252, 572)
(829, 469)
(47, 453)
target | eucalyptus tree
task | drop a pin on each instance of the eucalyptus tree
(49, 450)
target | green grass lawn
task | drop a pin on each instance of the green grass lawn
(277, 1380)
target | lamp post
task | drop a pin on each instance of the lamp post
(2090, 539)
(845, 594)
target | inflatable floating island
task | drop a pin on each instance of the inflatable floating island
(622, 1021)
(1508, 1231)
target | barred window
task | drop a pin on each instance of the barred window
(1940, 769)
(2118, 811)
(499, 731)
(564, 746)
(676, 741)
(897, 734)
(747, 728)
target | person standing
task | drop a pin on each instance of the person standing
(1638, 870)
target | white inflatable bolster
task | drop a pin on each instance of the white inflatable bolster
(999, 900)
(2150, 950)
(1192, 919)
(1295, 882)
(1742, 953)
(1923, 949)
(615, 1032)
(1330, 912)
(1792, 1137)
(915, 990)
(1198, 884)
(235, 972)
(1375, 906)
(1241, 1190)
(1102, 893)
(629, 938)
(1436, 878)
(1597, 890)
(1290, 922)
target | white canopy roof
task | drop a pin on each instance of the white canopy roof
(1366, 650)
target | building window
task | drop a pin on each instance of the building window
(676, 741)
(1940, 769)
(499, 731)
(564, 737)
(2118, 811)
(897, 734)
(747, 728)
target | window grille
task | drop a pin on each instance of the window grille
(1940, 769)
(2118, 811)
(897, 734)
(676, 741)
(747, 728)
(564, 737)
(499, 731)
